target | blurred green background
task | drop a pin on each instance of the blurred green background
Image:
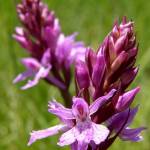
(22, 111)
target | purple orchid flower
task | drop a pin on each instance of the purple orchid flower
(80, 130)
(35, 69)
(69, 51)
(41, 31)
(116, 122)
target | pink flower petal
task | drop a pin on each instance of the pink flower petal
(100, 133)
(36, 135)
(67, 138)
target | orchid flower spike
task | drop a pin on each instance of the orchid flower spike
(34, 69)
(41, 32)
(79, 130)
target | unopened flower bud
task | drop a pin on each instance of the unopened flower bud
(128, 77)
(82, 75)
(98, 71)
(126, 99)
(122, 57)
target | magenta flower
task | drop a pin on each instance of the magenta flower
(79, 130)
(34, 69)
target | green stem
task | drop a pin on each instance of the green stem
(66, 96)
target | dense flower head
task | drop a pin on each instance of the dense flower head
(120, 51)
(41, 35)
(79, 130)
(112, 65)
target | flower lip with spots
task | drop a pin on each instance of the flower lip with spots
(84, 131)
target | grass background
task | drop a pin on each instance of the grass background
(22, 111)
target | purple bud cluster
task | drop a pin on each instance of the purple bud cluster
(101, 109)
